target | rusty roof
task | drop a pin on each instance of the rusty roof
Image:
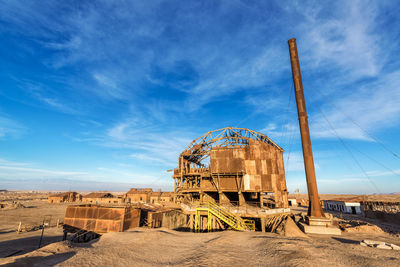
(350, 199)
(139, 190)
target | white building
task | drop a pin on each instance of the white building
(292, 202)
(345, 206)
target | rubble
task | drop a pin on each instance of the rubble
(379, 244)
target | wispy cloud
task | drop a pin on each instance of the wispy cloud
(21, 171)
(349, 38)
(370, 108)
(10, 127)
(377, 173)
(149, 145)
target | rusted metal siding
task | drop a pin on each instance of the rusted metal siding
(154, 219)
(260, 163)
(102, 219)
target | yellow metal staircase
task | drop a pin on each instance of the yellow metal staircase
(213, 209)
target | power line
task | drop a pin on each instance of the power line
(284, 131)
(357, 124)
(348, 150)
(377, 162)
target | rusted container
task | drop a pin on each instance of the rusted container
(101, 219)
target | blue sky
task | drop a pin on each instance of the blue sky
(106, 94)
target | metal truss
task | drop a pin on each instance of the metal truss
(200, 148)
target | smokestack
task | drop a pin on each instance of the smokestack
(314, 209)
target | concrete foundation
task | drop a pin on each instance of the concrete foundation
(318, 229)
(317, 221)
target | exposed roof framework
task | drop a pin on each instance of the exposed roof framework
(200, 148)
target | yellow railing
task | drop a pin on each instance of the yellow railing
(213, 209)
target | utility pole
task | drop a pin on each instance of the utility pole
(314, 209)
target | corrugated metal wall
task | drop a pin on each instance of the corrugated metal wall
(262, 165)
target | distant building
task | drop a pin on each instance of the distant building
(293, 202)
(351, 206)
(161, 197)
(64, 197)
(102, 198)
(138, 195)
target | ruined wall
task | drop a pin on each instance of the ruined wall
(175, 220)
(386, 211)
(56, 199)
(64, 197)
(154, 219)
(139, 197)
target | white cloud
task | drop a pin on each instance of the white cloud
(346, 38)
(371, 107)
(150, 145)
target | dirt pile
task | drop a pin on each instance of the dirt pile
(290, 229)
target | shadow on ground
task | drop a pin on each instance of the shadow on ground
(42, 260)
(24, 245)
(346, 241)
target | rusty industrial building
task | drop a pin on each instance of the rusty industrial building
(231, 165)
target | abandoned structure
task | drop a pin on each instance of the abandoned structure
(101, 219)
(102, 198)
(144, 195)
(65, 197)
(138, 195)
(343, 205)
(231, 165)
(89, 218)
(161, 197)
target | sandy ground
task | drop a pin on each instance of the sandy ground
(33, 213)
(163, 247)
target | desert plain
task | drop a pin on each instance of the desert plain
(166, 247)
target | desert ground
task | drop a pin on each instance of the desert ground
(164, 247)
